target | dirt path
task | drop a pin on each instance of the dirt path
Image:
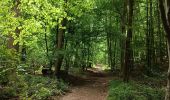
(94, 87)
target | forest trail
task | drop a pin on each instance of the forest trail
(93, 87)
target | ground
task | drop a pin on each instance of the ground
(93, 87)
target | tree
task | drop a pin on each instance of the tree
(165, 16)
(129, 51)
(123, 29)
(60, 45)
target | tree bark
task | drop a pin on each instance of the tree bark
(128, 52)
(164, 6)
(122, 40)
(167, 96)
(60, 46)
(159, 32)
(150, 61)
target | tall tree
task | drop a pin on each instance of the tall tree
(123, 29)
(60, 42)
(164, 6)
(128, 52)
(60, 46)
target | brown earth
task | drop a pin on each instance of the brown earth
(93, 87)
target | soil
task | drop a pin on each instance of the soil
(93, 87)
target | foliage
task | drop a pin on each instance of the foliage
(132, 91)
(40, 88)
(93, 35)
(33, 88)
(8, 61)
(13, 87)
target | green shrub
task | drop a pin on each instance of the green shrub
(7, 92)
(8, 61)
(40, 88)
(31, 87)
(14, 88)
(131, 91)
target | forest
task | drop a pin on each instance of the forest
(84, 50)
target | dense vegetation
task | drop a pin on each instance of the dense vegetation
(43, 41)
(132, 91)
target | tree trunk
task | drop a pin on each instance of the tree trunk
(149, 39)
(122, 40)
(167, 97)
(152, 36)
(114, 56)
(161, 53)
(128, 55)
(60, 45)
(164, 6)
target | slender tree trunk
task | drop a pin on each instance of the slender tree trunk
(152, 47)
(67, 59)
(47, 49)
(160, 36)
(148, 39)
(114, 56)
(46, 45)
(108, 19)
(108, 49)
(128, 55)
(122, 41)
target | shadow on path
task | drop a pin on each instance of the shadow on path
(93, 87)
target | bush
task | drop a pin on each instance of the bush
(13, 88)
(8, 61)
(15, 82)
(33, 88)
(8, 75)
(131, 91)
(40, 88)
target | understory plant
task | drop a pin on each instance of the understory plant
(119, 90)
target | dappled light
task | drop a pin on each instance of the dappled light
(84, 50)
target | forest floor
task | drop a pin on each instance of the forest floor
(93, 87)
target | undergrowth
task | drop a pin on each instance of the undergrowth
(31, 87)
(133, 91)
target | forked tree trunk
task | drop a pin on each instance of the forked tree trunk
(60, 46)
(164, 6)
